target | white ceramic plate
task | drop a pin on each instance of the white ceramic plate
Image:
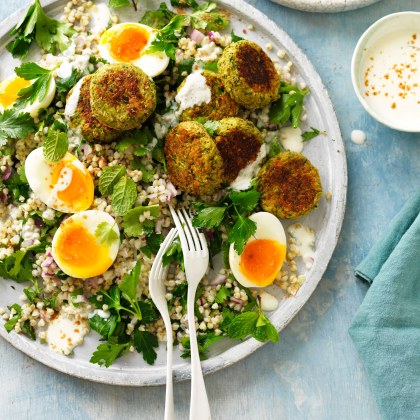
(326, 6)
(327, 154)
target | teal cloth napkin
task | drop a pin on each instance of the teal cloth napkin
(386, 328)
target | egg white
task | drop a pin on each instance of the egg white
(38, 171)
(152, 64)
(268, 227)
(34, 108)
(89, 219)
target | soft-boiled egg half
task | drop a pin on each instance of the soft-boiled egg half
(10, 87)
(79, 250)
(127, 43)
(66, 185)
(263, 255)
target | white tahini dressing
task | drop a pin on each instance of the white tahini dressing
(99, 17)
(247, 174)
(101, 313)
(291, 139)
(194, 92)
(268, 301)
(303, 238)
(358, 136)
(73, 100)
(64, 334)
(391, 77)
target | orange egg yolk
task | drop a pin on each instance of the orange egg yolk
(10, 93)
(261, 261)
(128, 43)
(78, 252)
(79, 192)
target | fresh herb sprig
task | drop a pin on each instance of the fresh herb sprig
(122, 301)
(15, 124)
(289, 107)
(231, 213)
(36, 91)
(50, 34)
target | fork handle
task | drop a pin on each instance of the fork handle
(169, 399)
(199, 408)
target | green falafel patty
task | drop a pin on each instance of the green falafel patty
(122, 96)
(239, 143)
(290, 185)
(249, 74)
(91, 128)
(220, 106)
(193, 161)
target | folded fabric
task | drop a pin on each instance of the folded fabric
(386, 328)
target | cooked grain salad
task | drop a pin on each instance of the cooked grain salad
(86, 178)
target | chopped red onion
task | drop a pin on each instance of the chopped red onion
(3, 197)
(39, 223)
(7, 173)
(48, 262)
(236, 300)
(196, 36)
(220, 279)
(211, 36)
(86, 149)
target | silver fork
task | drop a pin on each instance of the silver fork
(196, 261)
(157, 292)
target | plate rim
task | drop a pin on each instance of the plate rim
(157, 376)
(325, 6)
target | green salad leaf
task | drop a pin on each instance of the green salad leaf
(50, 34)
(64, 85)
(210, 217)
(184, 3)
(10, 324)
(15, 124)
(105, 233)
(131, 220)
(289, 107)
(309, 135)
(109, 177)
(106, 354)
(275, 149)
(235, 38)
(55, 145)
(145, 342)
(124, 195)
(158, 18)
(242, 230)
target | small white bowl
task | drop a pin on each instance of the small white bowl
(385, 71)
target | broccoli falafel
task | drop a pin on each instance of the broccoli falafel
(239, 143)
(193, 161)
(122, 96)
(249, 74)
(91, 128)
(220, 106)
(290, 185)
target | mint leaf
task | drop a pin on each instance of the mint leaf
(153, 242)
(109, 177)
(242, 230)
(174, 254)
(10, 324)
(105, 233)
(106, 354)
(130, 281)
(50, 34)
(184, 3)
(14, 125)
(265, 330)
(209, 217)
(55, 145)
(242, 325)
(124, 196)
(245, 200)
(131, 220)
(144, 342)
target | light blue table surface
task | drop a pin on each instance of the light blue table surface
(314, 372)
